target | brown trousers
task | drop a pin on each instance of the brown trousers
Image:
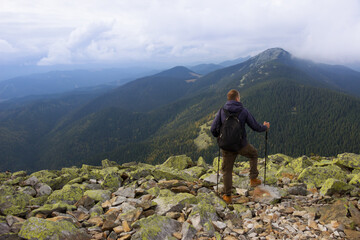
(228, 163)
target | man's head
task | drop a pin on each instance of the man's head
(233, 95)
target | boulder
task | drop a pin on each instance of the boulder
(355, 180)
(111, 181)
(173, 203)
(349, 160)
(42, 189)
(316, 176)
(98, 195)
(299, 164)
(13, 202)
(178, 162)
(155, 228)
(195, 172)
(202, 163)
(188, 231)
(162, 172)
(47, 209)
(41, 229)
(128, 192)
(332, 186)
(31, 181)
(107, 163)
(69, 193)
(217, 163)
(337, 211)
(202, 213)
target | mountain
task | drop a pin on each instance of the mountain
(169, 113)
(205, 68)
(233, 62)
(64, 81)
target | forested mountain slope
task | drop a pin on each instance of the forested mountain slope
(158, 116)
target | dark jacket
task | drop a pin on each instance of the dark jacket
(244, 117)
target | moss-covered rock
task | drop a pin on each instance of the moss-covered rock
(202, 163)
(111, 181)
(107, 163)
(332, 186)
(69, 193)
(202, 214)
(47, 176)
(41, 229)
(299, 164)
(355, 180)
(349, 160)
(280, 158)
(19, 174)
(173, 203)
(195, 172)
(96, 210)
(316, 176)
(170, 173)
(212, 199)
(285, 171)
(13, 202)
(179, 162)
(217, 163)
(38, 200)
(240, 208)
(141, 172)
(155, 227)
(56, 207)
(98, 195)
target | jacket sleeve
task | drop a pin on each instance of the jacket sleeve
(216, 124)
(253, 124)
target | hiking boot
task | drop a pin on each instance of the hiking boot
(255, 182)
(227, 199)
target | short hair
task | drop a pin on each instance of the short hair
(233, 94)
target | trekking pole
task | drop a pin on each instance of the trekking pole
(217, 176)
(266, 138)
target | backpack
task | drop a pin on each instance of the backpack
(230, 132)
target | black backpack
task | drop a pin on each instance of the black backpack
(230, 132)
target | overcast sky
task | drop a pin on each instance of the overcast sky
(52, 32)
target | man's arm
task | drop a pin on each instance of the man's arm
(216, 124)
(254, 125)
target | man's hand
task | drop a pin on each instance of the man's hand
(267, 124)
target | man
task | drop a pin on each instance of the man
(234, 106)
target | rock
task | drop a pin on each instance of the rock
(201, 214)
(211, 178)
(28, 190)
(49, 208)
(43, 189)
(98, 195)
(107, 163)
(111, 181)
(202, 163)
(178, 162)
(155, 228)
(96, 211)
(298, 190)
(335, 212)
(41, 229)
(351, 234)
(128, 192)
(332, 186)
(13, 202)
(355, 214)
(188, 231)
(31, 181)
(131, 216)
(217, 163)
(299, 164)
(196, 171)
(69, 193)
(162, 172)
(173, 203)
(349, 160)
(266, 194)
(316, 176)
(85, 201)
(355, 180)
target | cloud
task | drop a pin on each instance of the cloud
(181, 30)
(6, 47)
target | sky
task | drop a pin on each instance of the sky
(124, 32)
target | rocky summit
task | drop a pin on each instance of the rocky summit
(304, 198)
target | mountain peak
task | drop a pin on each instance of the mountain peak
(270, 55)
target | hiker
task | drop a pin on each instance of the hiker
(234, 106)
